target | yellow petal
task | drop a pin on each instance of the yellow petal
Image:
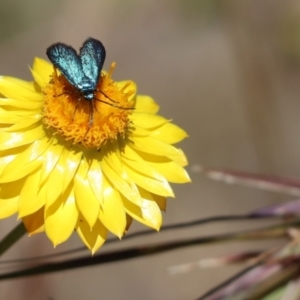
(61, 218)
(153, 146)
(8, 156)
(115, 172)
(94, 177)
(161, 201)
(9, 198)
(172, 172)
(25, 162)
(139, 132)
(8, 116)
(28, 201)
(42, 194)
(11, 192)
(29, 85)
(152, 213)
(145, 176)
(55, 181)
(112, 213)
(20, 104)
(20, 173)
(136, 213)
(8, 207)
(51, 157)
(10, 140)
(131, 158)
(169, 169)
(34, 223)
(94, 238)
(41, 71)
(23, 125)
(179, 158)
(147, 120)
(87, 203)
(169, 133)
(70, 165)
(146, 104)
(150, 184)
(150, 209)
(19, 89)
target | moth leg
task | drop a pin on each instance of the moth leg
(95, 105)
(76, 107)
(116, 106)
(91, 114)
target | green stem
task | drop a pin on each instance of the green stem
(12, 237)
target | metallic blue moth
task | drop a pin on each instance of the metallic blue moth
(83, 70)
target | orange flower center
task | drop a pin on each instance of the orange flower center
(87, 122)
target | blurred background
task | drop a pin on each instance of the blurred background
(228, 72)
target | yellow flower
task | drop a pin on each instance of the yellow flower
(68, 164)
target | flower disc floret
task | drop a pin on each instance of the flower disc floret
(87, 122)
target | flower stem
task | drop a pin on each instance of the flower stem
(12, 237)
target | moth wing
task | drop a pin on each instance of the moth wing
(67, 61)
(92, 55)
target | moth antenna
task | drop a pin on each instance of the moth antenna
(91, 115)
(110, 104)
(76, 106)
(107, 96)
